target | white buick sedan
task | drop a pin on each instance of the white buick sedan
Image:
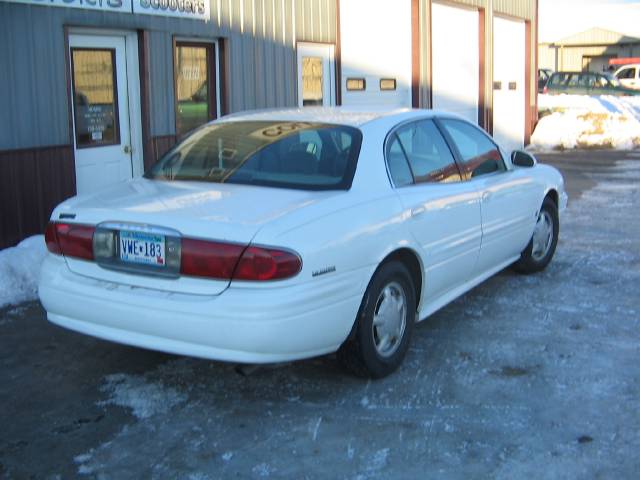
(280, 235)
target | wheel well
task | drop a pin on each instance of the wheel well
(553, 195)
(410, 260)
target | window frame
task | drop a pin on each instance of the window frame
(462, 165)
(392, 134)
(211, 47)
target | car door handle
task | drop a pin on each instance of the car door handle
(417, 211)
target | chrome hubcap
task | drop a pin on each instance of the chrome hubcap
(389, 319)
(542, 236)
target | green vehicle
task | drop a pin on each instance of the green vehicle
(586, 83)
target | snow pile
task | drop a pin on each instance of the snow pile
(20, 269)
(581, 121)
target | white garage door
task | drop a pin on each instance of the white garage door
(375, 42)
(455, 56)
(508, 82)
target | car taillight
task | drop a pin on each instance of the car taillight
(51, 239)
(70, 240)
(226, 261)
(258, 263)
(545, 89)
(202, 258)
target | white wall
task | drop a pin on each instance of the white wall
(375, 40)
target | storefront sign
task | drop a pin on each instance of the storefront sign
(196, 9)
(104, 5)
(175, 8)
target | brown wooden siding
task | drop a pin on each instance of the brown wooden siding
(415, 53)
(482, 110)
(32, 183)
(528, 104)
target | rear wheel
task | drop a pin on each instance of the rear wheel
(384, 325)
(542, 245)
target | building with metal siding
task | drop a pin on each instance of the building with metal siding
(589, 50)
(256, 47)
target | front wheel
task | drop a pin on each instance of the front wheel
(384, 324)
(539, 252)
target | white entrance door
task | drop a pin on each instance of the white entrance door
(455, 60)
(508, 82)
(101, 115)
(316, 75)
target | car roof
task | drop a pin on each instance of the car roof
(351, 116)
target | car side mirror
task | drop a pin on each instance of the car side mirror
(520, 158)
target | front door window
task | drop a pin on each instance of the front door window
(94, 96)
(316, 85)
(194, 84)
(311, 81)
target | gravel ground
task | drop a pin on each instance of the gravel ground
(525, 376)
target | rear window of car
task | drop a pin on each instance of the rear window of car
(297, 155)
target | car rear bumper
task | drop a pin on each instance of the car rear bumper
(249, 325)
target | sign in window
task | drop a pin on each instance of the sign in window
(312, 69)
(95, 100)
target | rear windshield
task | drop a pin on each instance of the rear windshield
(298, 155)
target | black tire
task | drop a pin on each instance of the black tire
(533, 261)
(360, 353)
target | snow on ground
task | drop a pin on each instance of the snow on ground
(581, 121)
(19, 270)
(144, 398)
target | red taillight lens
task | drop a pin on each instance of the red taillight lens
(70, 240)
(201, 258)
(51, 239)
(545, 90)
(259, 263)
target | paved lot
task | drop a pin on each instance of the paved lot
(524, 377)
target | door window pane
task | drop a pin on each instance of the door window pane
(479, 154)
(397, 163)
(312, 68)
(95, 99)
(428, 154)
(193, 84)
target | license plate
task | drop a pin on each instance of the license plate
(142, 248)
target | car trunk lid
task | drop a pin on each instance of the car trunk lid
(224, 213)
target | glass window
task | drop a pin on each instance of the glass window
(574, 80)
(194, 86)
(387, 84)
(601, 82)
(587, 81)
(626, 73)
(356, 84)
(312, 70)
(558, 79)
(478, 152)
(299, 155)
(397, 163)
(95, 99)
(429, 156)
